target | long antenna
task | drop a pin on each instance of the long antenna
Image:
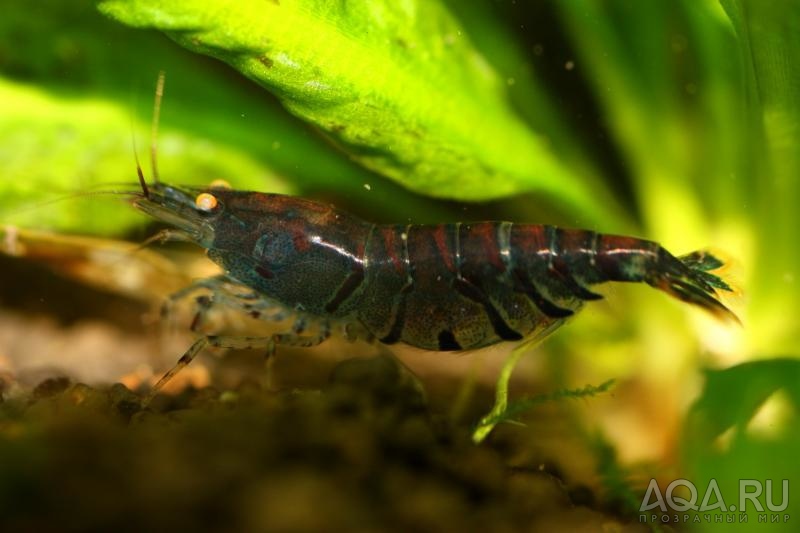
(139, 172)
(154, 132)
(142, 182)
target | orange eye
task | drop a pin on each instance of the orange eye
(219, 184)
(205, 202)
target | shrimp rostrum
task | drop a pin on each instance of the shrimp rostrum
(442, 287)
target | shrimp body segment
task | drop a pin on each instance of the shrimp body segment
(438, 287)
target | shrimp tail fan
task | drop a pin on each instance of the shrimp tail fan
(692, 278)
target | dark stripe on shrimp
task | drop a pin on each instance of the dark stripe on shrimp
(525, 285)
(347, 288)
(448, 342)
(575, 244)
(399, 321)
(520, 279)
(580, 291)
(354, 280)
(264, 272)
(472, 292)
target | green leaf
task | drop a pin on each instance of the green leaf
(732, 396)
(40, 133)
(769, 47)
(70, 80)
(399, 86)
(534, 97)
(666, 82)
(730, 400)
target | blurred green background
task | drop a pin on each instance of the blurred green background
(677, 121)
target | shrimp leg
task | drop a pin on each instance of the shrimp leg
(216, 285)
(227, 292)
(270, 343)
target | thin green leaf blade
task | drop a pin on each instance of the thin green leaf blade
(769, 46)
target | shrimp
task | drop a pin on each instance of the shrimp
(444, 287)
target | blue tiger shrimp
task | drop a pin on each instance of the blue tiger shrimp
(443, 287)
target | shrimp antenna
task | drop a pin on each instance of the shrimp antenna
(154, 132)
(139, 172)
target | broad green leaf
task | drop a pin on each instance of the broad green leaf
(40, 133)
(732, 396)
(75, 87)
(399, 86)
(720, 442)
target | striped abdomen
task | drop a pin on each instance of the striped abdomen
(444, 287)
(468, 285)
